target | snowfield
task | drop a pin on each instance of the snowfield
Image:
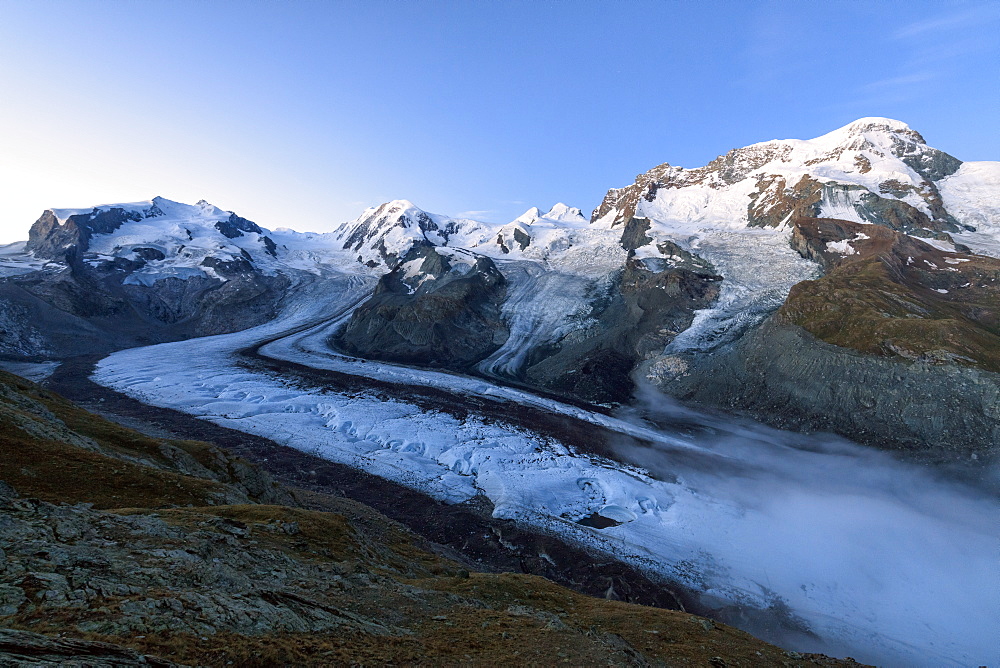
(877, 559)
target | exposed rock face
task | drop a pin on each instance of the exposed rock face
(777, 202)
(431, 310)
(648, 304)
(235, 226)
(784, 376)
(67, 239)
(23, 648)
(53, 239)
(888, 294)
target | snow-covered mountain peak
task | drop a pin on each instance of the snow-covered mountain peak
(870, 170)
(383, 234)
(400, 207)
(872, 124)
(566, 214)
(529, 216)
(155, 239)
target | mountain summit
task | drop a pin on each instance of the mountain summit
(871, 170)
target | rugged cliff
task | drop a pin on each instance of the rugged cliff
(434, 309)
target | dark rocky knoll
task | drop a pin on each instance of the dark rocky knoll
(441, 315)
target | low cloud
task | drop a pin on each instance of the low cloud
(476, 214)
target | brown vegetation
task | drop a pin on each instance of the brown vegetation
(893, 295)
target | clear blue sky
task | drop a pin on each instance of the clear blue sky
(301, 114)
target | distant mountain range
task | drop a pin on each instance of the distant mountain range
(845, 283)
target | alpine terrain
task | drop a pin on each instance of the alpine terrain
(765, 391)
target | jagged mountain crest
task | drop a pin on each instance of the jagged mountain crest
(383, 234)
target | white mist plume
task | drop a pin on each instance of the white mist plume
(868, 551)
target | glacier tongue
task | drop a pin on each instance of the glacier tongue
(541, 307)
(972, 194)
(759, 268)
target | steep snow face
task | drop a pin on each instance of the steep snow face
(382, 235)
(565, 214)
(972, 195)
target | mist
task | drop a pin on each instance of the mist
(858, 548)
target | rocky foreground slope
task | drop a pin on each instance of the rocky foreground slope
(121, 549)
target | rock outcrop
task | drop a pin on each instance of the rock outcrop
(24, 648)
(434, 308)
(784, 376)
(59, 240)
(649, 302)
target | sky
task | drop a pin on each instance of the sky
(301, 114)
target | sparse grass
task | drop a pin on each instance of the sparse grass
(861, 305)
(61, 473)
(110, 434)
(494, 620)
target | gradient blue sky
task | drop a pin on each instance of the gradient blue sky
(301, 114)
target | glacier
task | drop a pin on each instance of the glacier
(867, 556)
